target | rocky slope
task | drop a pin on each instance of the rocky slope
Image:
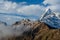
(38, 31)
(51, 18)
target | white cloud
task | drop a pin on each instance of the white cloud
(9, 19)
(21, 8)
(54, 4)
(31, 10)
(13, 30)
(55, 8)
(7, 7)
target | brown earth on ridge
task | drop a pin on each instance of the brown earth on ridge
(39, 31)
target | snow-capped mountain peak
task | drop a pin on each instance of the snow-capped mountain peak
(47, 12)
(51, 18)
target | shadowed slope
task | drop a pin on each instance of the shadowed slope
(39, 31)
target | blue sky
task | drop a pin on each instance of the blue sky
(28, 1)
(32, 9)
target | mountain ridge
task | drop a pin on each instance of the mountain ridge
(51, 18)
(39, 31)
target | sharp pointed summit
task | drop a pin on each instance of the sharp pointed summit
(47, 12)
(51, 18)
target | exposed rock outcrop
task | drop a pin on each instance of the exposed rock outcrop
(39, 31)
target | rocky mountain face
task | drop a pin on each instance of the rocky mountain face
(51, 18)
(37, 31)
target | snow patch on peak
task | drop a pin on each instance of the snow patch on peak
(47, 12)
(51, 18)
